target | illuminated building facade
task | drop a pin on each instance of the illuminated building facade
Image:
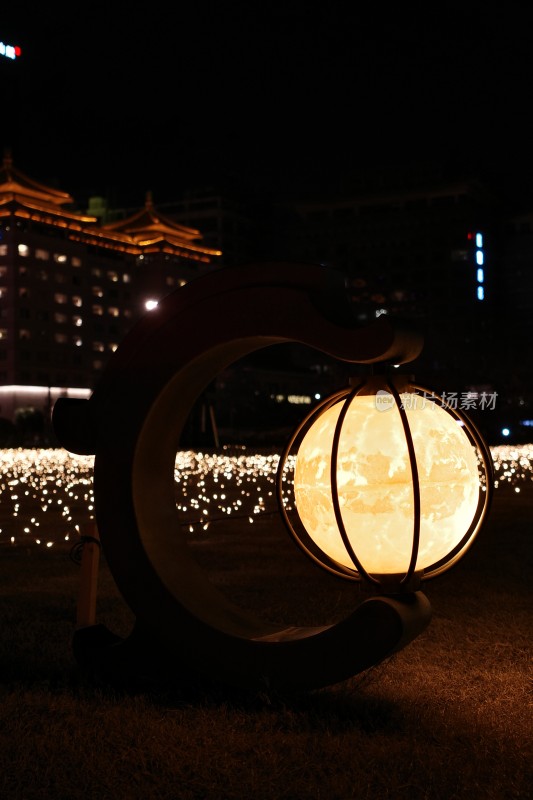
(71, 287)
(442, 254)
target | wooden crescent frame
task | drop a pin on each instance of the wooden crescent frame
(132, 424)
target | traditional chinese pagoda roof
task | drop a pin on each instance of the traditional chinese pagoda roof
(148, 223)
(146, 231)
(18, 189)
(13, 181)
(148, 228)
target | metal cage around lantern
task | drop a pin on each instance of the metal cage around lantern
(410, 578)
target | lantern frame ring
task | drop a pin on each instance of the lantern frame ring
(412, 577)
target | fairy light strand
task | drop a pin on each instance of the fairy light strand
(46, 494)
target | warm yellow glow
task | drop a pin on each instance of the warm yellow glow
(375, 486)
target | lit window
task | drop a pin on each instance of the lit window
(169, 281)
(23, 250)
(77, 301)
(480, 293)
(60, 318)
(42, 255)
(3, 291)
(113, 347)
(76, 262)
(150, 305)
(97, 310)
(113, 276)
(459, 255)
(299, 399)
(78, 341)
(96, 272)
(97, 291)
(98, 347)
(3, 334)
(479, 256)
(98, 364)
(182, 282)
(3, 249)
(78, 322)
(59, 258)
(60, 338)
(479, 240)
(60, 298)
(113, 311)
(126, 278)
(480, 275)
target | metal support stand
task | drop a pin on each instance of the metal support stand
(90, 562)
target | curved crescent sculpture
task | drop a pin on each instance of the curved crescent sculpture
(132, 424)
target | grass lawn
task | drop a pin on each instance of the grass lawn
(450, 717)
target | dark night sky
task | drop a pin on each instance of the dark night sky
(288, 97)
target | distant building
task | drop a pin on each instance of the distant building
(444, 254)
(419, 252)
(424, 249)
(71, 287)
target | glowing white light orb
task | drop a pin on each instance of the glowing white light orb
(151, 304)
(375, 486)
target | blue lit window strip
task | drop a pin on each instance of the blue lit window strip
(480, 273)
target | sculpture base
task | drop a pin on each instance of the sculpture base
(290, 660)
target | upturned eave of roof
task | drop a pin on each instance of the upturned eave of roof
(148, 219)
(177, 244)
(20, 202)
(13, 181)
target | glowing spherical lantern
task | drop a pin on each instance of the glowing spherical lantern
(390, 483)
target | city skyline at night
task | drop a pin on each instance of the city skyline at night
(320, 111)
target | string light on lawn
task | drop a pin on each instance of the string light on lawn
(46, 493)
(52, 488)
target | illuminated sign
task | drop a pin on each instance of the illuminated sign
(480, 261)
(11, 51)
